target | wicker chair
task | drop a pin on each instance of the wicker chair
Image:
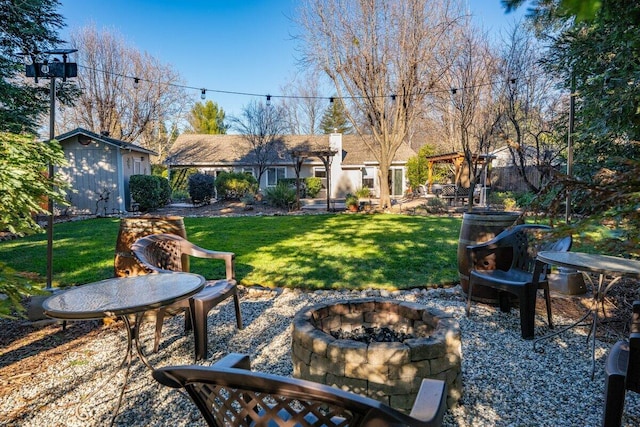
(622, 372)
(161, 252)
(507, 263)
(228, 393)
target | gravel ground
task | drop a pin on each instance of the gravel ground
(505, 383)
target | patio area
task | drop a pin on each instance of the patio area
(504, 382)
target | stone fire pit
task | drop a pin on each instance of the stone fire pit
(390, 372)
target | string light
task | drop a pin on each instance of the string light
(203, 91)
(136, 82)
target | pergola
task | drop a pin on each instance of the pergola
(455, 158)
(326, 156)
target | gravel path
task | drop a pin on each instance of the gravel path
(505, 383)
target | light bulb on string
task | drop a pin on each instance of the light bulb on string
(268, 100)
(203, 94)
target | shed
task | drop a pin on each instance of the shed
(98, 170)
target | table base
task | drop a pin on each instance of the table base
(599, 293)
(133, 336)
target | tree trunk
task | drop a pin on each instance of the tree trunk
(385, 193)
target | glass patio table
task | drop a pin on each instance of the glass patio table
(609, 270)
(127, 298)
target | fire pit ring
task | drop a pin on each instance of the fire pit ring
(390, 372)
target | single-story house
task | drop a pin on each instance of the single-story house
(98, 170)
(351, 164)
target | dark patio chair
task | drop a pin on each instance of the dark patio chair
(228, 393)
(161, 252)
(622, 372)
(507, 263)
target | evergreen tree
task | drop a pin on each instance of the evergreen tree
(334, 119)
(208, 118)
(26, 27)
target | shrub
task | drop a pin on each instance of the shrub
(351, 201)
(435, 205)
(363, 193)
(149, 191)
(165, 190)
(159, 170)
(281, 196)
(313, 186)
(201, 188)
(524, 199)
(235, 185)
(180, 195)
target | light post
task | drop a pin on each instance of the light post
(51, 70)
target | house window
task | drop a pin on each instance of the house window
(274, 175)
(368, 178)
(137, 166)
(320, 172)
(248, 171)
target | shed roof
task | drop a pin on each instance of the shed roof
(105, 139)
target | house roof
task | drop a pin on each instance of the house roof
(212, 150)
(104, 139)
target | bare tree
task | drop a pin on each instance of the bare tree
(383, 57)
(124, 92)
(304, 104)
(262, 126)
(529, 105)
(472, 99)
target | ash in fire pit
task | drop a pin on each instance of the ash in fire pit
(369, 335)
(378, 348)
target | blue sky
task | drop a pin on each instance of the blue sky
(227, 45)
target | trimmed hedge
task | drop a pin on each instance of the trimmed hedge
(201, 188)
(149, 191)
(235, 185)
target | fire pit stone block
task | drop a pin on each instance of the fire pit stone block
(387, 371)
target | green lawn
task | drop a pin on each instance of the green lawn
(309, 251)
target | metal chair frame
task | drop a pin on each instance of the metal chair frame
(228, 393)
(507, 263)
(159, 253)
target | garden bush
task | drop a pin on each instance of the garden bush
(201, 188)
(281, 196)
(363, 193)
(180, 195)
(235, 185)
(313, 186)
(149, 191)
(435, 205)
(165, 190)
